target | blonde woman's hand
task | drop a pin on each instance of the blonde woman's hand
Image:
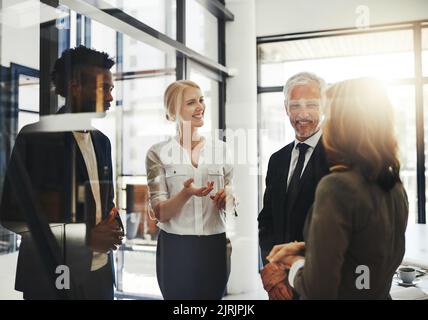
(190, 190)
(219, 199)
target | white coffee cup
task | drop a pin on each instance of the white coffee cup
(407, 274)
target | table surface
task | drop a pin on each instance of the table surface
(416, 255)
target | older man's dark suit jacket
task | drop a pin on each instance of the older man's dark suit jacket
(48, 161)
(281, 222)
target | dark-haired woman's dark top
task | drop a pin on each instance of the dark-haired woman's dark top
(354, 227)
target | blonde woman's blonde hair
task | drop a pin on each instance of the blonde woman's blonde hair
(173, 97)
(358, 130)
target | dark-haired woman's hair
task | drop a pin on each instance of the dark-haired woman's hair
(74, 63)
(359, 130)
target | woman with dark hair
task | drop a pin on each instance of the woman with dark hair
(355, 234)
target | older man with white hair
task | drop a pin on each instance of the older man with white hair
(293, 174)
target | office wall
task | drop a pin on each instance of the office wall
(289, 16)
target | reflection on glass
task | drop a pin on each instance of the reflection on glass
(340, 68)
(143, 124)
(147, 72)
(138, 123)
(20, 41)
(201, 30)
(59, 186)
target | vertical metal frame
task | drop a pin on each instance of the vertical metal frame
(420, 139)
(49, 47)
(222, 84)
(79, 26)
(181, 61)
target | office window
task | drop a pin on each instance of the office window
(209, 88)
(103, 38)
(201, 30)
(144, 121)
(386, 55)
(158, 14)
(403, 101)
(133, 61)
(144, 59)
(28, 100)
(425, 52)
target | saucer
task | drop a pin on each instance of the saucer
(407, 284)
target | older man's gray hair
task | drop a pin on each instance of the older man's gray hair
(300, 79)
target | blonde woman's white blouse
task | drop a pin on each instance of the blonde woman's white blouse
(168, 165)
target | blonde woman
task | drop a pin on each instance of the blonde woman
(359, 217)
(190, 182)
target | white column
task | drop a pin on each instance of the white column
(241, 116)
